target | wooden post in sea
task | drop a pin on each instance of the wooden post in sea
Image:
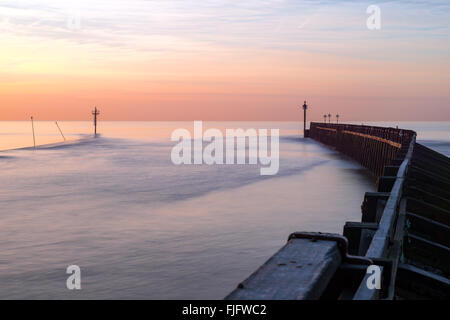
(95, 113)
(60, 130)
(32, 128)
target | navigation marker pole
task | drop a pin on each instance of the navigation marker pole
(32, 127)
(305, 107)
(60, 130)
(95, 113)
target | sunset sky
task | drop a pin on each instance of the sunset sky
(223, 60)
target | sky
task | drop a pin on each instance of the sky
(224, 60)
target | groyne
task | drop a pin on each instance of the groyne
(401, 247)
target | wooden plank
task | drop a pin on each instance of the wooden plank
(300, 270)
(373, 147)
(430, 154)
(428, 197)
(381, 239)
(373, 206)
(423, 173)
(359, 235)
(424, 206)
(385, 184)
(428, 187)
(397, 247)
(427, 210)
(397, 162)
(416, 283)
(426, 164)
(345, 282)
(390, 170)
(327, 129)
(430, 177)
(428, 229)
(379, 139)
(428, 253)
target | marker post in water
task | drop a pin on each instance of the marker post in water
(95, 113)
(32, 128)
(60, 130)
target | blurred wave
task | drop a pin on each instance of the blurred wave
(141, 227)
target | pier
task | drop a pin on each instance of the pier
(404, 229)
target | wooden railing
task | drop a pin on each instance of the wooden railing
(387, 242)
(404, 229)
(373, 147)
(377, 148)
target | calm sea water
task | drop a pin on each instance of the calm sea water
(140, 227)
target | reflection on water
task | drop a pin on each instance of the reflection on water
(140, 227)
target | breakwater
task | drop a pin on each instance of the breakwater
(403, 235)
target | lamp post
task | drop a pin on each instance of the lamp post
(305, 107)
(337, 118)
(329, 118)
(325, 118)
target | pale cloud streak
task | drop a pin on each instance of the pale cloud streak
(161, 49)
(263, 24)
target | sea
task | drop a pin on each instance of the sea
(140, 227)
